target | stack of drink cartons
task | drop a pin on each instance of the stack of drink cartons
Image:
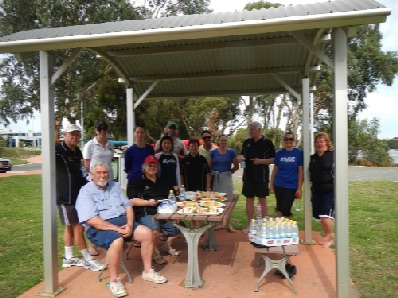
(274, 231)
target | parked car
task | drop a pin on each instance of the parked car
(5, 165)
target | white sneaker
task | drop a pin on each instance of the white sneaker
(153, 276)
(94, 265)
(66, 263)
(117, 288)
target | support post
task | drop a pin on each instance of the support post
(50, 259)
(307, 151)
(340, 137)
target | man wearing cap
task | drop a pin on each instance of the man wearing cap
(178, 146)
(99, 148)
(69, 180)
(259, 153)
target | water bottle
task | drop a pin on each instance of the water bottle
(253, 231)
(297, 204)
(182, 194)
(171, 196)
(264, 235)
(243, 162)
(259, 214)
(295, 230)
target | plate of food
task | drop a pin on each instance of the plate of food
(211, 203)
(198, 210)
(186, 204)
(190, 195)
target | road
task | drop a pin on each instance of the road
(358, 174)
(354, 173)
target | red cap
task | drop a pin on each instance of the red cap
(151, 159)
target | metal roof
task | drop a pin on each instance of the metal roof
(216, 54)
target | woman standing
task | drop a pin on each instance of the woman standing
(144, 193)
(322, 177)
(99, 149)
(287, 176)
(220, 161)
(169, 164)
(195, 173)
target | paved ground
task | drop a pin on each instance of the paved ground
(229, 272)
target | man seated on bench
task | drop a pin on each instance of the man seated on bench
(108, 217)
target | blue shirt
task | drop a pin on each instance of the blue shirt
(222, 162)
(134, 158)
(288, 163)
(108, 203)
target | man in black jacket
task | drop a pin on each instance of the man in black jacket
(69, 179)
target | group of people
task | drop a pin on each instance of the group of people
(110, 217)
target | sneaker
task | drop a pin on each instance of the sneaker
(94, 265)
(153, 276)
(66, 263)
(117, 288)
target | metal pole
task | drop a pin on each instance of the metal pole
(307, 146)
(340, 133)
(51, 284)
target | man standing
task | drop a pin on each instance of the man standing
(259, 153)
(69, 179)
(207, 145)
(178, 145)
(136, 154)
(109, 221)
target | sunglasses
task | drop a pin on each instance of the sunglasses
(288, 139)
(207, 138)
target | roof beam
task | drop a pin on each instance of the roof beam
(288, 88)
(67, 63)
(317, 52)
(232, 73)
(205, 46)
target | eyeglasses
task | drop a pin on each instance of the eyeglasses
(207, 138)
(288, 139)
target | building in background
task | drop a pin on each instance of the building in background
(20, 138)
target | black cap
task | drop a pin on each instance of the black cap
(100, 123)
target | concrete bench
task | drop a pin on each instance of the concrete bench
(286, 251)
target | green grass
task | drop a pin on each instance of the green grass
(373, 235)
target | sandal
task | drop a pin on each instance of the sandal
(137, 244)
(163, 237)
(158, 259)
(170, 251)
(231, 229)
(218, 228)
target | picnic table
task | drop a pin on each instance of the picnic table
(192, 236)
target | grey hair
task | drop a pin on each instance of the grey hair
(256, 124)
(144, 166)
(99, 163)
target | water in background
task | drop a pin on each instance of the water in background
(394, 154)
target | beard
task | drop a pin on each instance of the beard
(102, 183)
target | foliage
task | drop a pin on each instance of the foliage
(393, 143)
(363, 145)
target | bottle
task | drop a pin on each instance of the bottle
(264, 235)
(297, 204)
(259, 214)
(243, 162)
(295, 230)
(253, 231)
(182, 193)
(171, 196)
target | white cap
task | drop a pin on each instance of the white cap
(72, 127)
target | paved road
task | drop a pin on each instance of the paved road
(359, 174)
(354, 173)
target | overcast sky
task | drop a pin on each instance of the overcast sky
(382, 104)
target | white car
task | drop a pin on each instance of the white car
(5, 165)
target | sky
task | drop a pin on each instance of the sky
(382, 104)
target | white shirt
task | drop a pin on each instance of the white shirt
(95, 152)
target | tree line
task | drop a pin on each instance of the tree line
(90, 86)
